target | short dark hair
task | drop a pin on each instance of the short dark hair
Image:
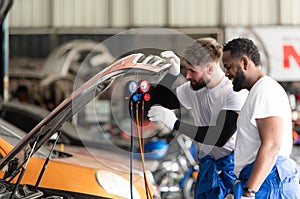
(203, 51)
(243, 46)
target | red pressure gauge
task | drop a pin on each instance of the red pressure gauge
(144, 86)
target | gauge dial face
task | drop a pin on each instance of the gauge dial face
(132, 86)
(144, 86)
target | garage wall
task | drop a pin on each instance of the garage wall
(30, 13)
(79, 13)
(119, 14)
(148, 13)
(171, 13)
(194, 13)
(45, 24)
(251, 12)
(289, 10)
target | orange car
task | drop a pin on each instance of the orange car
(25, 161)
(76, 175)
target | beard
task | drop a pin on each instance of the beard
(238, 82)
(197, 85)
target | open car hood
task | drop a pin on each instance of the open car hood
(5, 6)
(153, 66)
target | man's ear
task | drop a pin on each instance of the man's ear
(245, 62)
(210, 68)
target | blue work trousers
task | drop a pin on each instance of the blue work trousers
(215, 177)
(281, 183)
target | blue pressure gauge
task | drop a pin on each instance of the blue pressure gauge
(132, 86)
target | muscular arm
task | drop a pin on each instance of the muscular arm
(270, 131)
(164, 94)
(216, 135)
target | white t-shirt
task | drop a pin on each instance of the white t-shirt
(266, 98)
(206, 104)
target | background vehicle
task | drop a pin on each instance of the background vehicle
(69, 57)
(47, 83)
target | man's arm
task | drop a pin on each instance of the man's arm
(216, 135)
(163, 93)
(270, 131)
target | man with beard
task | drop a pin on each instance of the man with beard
(215, 106)
(264, 128)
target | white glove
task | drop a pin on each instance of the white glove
(162, 115)
(174, 61)
(247, 197)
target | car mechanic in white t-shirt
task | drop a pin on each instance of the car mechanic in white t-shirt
(264, 128)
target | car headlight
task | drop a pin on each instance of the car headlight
(115, 184)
